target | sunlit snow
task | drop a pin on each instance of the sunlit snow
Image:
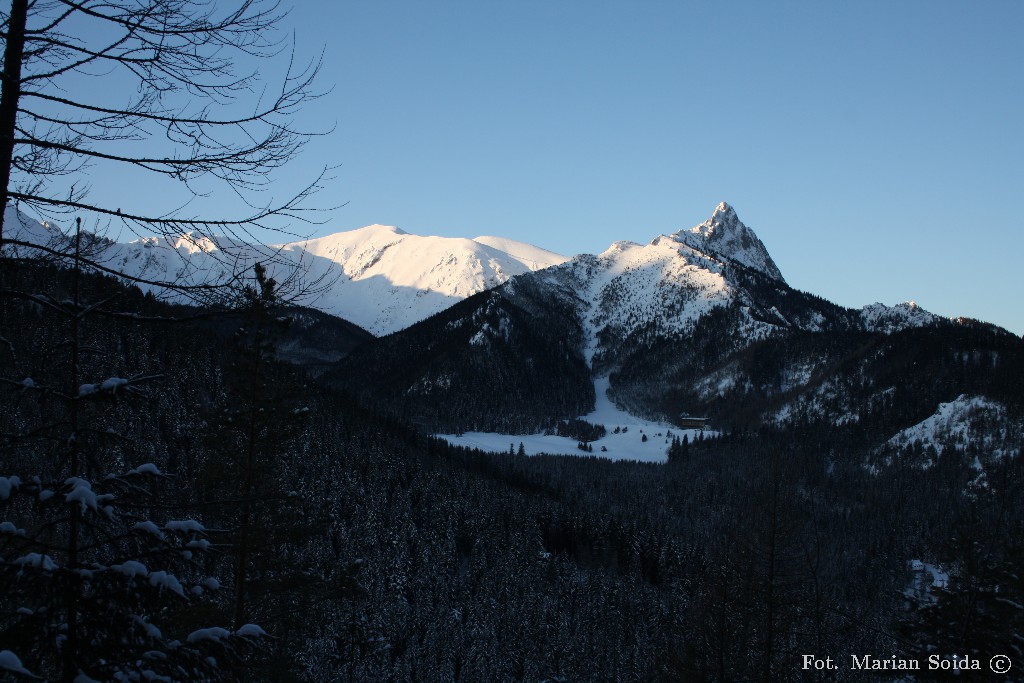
(379, 277)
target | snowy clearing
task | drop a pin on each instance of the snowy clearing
(626, 445)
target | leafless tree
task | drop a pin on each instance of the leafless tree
(168, 88)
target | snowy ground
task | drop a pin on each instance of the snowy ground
(964, 420)
(627, 445)
(926, 578)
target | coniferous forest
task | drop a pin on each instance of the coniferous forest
(173, 492)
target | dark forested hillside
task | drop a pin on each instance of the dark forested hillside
(495, 361)
(369, 552)
(819, 375)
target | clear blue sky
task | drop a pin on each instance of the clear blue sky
(875, 147)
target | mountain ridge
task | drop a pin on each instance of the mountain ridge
(378, 277)
(670, 329)
(385, 279)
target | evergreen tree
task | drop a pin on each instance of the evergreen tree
(95, 587)
(258, 428)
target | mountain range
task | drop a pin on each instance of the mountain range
(697, 322)
(378, 277)
(498, 335)
(385, 279)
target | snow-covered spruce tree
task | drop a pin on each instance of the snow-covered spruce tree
(95, 587)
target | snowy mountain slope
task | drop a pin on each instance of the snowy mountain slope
(983, 432)
(534, 257)
(622, 308)
(694, 299)
(964, 420)
(632, 292)
(184, 259)
(630, 286)
(888, 319)
(726, 237)
(378, 277)
(887, 385)
(676, 327)
(20, 228)
(385, 279)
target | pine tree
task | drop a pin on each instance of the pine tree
(96, 586)
(258, 427)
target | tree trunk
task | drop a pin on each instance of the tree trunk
(71, 587)
(10, 93)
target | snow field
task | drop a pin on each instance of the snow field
(626, 445)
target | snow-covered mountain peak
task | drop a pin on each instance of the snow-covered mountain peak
(189, 243)
(384, 229)
(722, 221)
(380, 277)
(725, 236)
(630, 287)
(18, 226)
(535, 257)
(878, 317)
(724, 213)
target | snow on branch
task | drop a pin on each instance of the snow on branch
(11, 662)
(7, 485)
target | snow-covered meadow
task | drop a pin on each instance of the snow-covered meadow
(627, 444)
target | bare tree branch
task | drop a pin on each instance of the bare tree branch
(193, 110)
